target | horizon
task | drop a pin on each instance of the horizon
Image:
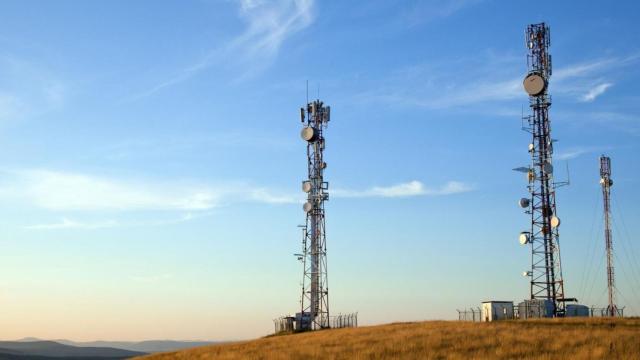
(151, 160)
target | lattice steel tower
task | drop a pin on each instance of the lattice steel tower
(546, 271)
(606, 182)
(315, 292)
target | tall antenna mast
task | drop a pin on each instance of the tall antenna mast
(546, 270)
(606, 182)
(315, 292)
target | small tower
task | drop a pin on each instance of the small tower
(606, 182)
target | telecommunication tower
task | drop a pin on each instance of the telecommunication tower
(315, 292)
(546, 270)
(606, 182)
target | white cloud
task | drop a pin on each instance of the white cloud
(72, 224)
(266, 196)
(596, 91)
(409, 189)
(55, 190)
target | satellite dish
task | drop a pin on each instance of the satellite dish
(534, 84)
(548, 168)
(524, 203)
(324, 165)
(309, 134)
(307, 207)
(531, 147)
(527, 273)
(306, 186)
(555, 221)
(524, 238)
(603, 181)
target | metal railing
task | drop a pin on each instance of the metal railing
(344, 321)
(470, 314)
(535, 310)
(288, 324)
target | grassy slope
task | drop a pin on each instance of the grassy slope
(532, 339)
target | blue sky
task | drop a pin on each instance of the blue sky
(150, 162)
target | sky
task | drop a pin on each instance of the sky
(150, 159)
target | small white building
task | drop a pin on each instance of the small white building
(497, 310)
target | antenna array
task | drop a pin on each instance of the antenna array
(314, 301)
(546, 269)
(606, 182)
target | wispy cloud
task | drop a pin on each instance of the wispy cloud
(28, 88)
(166, 203)
(409, 189)
(268, 25)
(577, 151)
(72, 224)
(61, 191)
(463, 84)
(71, 191)
(596, 91)
(266, 196)
(421, 12)
(10, 106)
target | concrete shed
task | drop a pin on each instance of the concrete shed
(576, 310)
(497, 310)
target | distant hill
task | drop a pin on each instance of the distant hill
(570, 338)
(149, 346)
(37, 350)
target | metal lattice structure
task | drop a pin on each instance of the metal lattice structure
(546, 269)
(606, 182)
(315, 292)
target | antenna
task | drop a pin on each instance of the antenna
(545, 277)
(606, 182)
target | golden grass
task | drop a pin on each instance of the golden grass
(526, 339)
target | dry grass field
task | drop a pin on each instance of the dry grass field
(531, 339)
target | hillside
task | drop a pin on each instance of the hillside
(51, 349)
(533, 339)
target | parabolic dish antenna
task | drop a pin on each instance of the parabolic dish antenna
(306, 186)
(524, 238)
(603, 181)
(309, 134)
(548, 168)
(307, 207)
(555, 221)
(524, 203)
(534, 84)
